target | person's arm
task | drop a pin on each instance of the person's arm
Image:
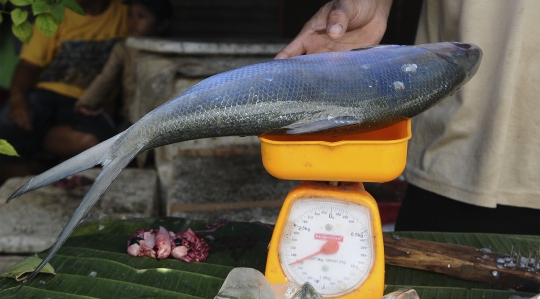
(24, 79)
(341, 25)
(33, 59)
(103, 85)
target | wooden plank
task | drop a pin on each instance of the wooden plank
(458, 261)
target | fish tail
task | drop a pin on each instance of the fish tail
(85, 160)
(110, 171)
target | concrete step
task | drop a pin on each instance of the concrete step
(225, 183)
(32, 222)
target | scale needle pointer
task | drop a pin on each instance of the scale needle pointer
(330, 247)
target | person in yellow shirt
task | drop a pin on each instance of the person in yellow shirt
(51, 74)
(145, 18)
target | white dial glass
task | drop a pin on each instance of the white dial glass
(329, 244)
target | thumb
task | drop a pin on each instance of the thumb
(337, 23)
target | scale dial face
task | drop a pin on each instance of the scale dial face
(328, 244)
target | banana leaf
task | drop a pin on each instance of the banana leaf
(93, 263)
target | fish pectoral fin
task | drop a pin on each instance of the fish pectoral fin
(321, 124)
(374, 46)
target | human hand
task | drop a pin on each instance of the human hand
(88, 111)
(21, 113)
(341, 25)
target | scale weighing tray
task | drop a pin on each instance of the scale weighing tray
(376, 156)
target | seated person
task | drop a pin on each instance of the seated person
(145, 18)
(51, 74)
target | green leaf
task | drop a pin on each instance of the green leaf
(73, 5)
(21, 270)
(18, 16)
(7, 149)
(46, 24)
(40, 7)
(3, 2)
(93, 263)
(458, 293)
(58, 12)
(20, 2)
(23, 31)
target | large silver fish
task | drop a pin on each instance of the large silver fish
(361, 90)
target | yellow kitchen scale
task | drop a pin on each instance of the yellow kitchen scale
(328, 232)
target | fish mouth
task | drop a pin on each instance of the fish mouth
(466, 55)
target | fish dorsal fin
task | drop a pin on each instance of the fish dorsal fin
(375, 46)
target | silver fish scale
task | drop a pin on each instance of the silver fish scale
(365, 89)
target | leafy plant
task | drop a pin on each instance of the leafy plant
(48, 13)
(7, 149)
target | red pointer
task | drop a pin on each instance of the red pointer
(330, 247)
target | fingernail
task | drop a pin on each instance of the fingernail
(336, 29)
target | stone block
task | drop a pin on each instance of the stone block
(32, 222)
(185, 47)
(225, 183)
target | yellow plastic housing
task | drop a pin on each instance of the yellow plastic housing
(376, 156)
